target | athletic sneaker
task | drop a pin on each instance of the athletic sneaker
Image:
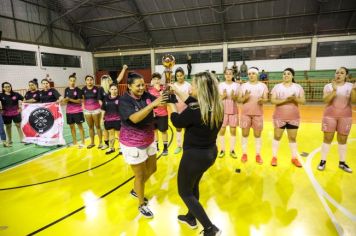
(111, 150)
(244, 157)
(134, 194)
(221, 154)
(233, 154)
(145, 211)
(296, 162)
(191, 222)
(211, 231)
(322, 165)
(103, 147)
(165, 152)
(345, 167)
(178, 150)
(90, 146)
(274, 161)
(259, 159)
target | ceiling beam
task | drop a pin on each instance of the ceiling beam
(247, 20)
(170, 11)
(101, 5)
(150, 42)
(49, 25)
(117, 33)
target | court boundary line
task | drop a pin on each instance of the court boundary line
(101, 197)
(57, 179)
(25, 161)
(323, 195)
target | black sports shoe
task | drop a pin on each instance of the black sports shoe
(191, 222)
(321, 165)
(221, 154)
(145, 211)
(165, 152)
(134, 194)
(111, 150)
(345, 167)
(211, 231)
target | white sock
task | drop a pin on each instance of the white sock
(244, 144)
(342, 152)
(258, 143)
(222, 142)
(232, 143)
(179, 139)
(293, 149)
(275, 145)
(324, 151)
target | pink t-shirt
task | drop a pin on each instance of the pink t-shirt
(183, 88)
(251, 107)
(230, 106)
(289, 111)
(341, 105)
(160, 110)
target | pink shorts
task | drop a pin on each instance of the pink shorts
(256, 122)
(280, 123)
(231, 120)
(341, 125)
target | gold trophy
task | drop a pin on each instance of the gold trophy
(168, 62)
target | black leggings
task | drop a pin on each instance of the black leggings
(192, 166)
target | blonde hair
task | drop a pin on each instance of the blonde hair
(105, 82)
(211, 107)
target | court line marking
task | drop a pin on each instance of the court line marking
(98, 199)
(60, 178)
(22, 162)
(323, 195)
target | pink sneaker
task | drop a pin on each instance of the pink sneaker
(244, 158)
(296, 162)
(259, 159)
(274, 161)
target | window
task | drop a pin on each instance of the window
(17, 57)
(270, 52)
(116, 63)
(60, 60)
(341, 48)
(205, 56)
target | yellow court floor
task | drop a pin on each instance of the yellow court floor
(85, 192)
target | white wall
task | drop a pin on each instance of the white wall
(299, 64)
(324, 63)
(268, 65)
(19, 76)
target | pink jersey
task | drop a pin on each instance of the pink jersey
(160, 110)
(287, 111)
(230, 106)
(251, 107)
(341, 105)
(183, 88)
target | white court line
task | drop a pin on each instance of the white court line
(322, 194)
(24, 148)
(35, 158)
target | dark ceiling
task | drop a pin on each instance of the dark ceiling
(131, 24)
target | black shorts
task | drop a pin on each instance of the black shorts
(76, 118)
(116, 125)
(161, 123)
(289, 126)
(9, 119)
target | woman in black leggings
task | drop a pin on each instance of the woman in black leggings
(202, 120)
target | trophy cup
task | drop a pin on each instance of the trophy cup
(168, 62)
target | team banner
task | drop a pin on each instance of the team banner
(42, 123)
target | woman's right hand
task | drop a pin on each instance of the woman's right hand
(161, 100)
